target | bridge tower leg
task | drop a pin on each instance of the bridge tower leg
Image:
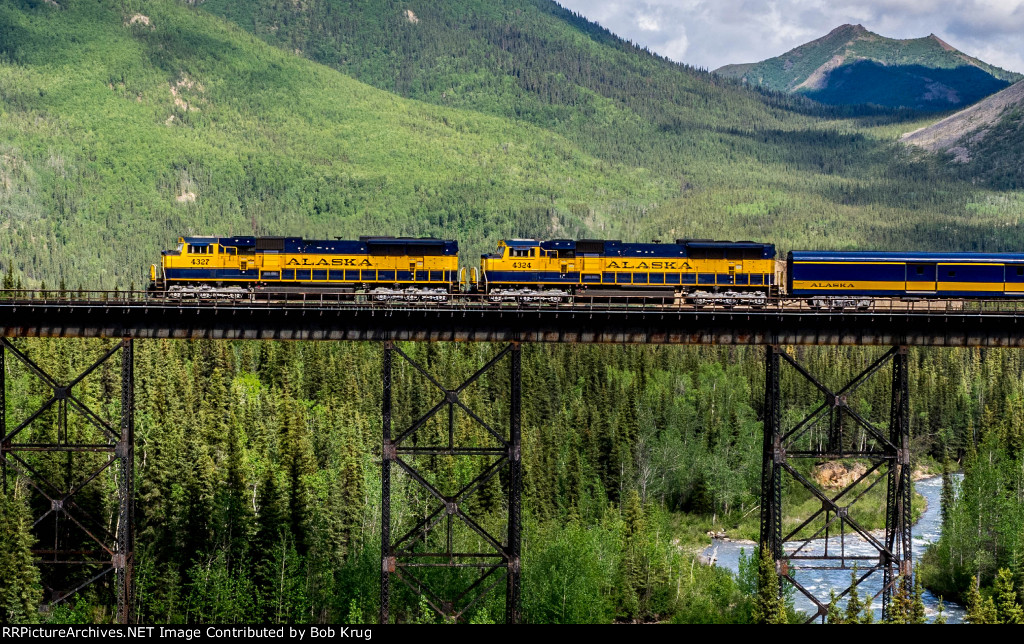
(430, 542)
(772, 459)
(835, 431)
(898, 521)
(59, 453)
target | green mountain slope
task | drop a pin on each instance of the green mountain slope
(529, 60)
(121, 130)
(753, 164)
(852, 65)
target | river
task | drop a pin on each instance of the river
(926, 531)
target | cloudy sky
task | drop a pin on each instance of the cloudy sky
(712, 33)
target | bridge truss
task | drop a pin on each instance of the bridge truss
(836, 431)
(64, 450)
(432, 544)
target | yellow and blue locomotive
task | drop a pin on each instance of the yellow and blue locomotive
(385, 268)
(704, 271)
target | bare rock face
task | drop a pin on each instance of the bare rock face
(958, 132)
(138, 19)
(834, 475)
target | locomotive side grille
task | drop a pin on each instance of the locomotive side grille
(590, 246)
(270, 243)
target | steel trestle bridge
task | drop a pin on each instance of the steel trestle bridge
(127, 317)
(946, 323)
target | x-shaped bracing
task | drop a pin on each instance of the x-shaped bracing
(118, 445)
(400, 557)
(891, 555)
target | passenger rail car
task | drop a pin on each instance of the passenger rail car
(385, 268)
(703, 270)
(839, 279)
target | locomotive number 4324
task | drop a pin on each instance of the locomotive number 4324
(521, 265)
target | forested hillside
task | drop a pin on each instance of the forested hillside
(123, 130)
(740, 163)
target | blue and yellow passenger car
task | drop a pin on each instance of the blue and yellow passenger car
(561, 267)
(868, 274)
(233, 266)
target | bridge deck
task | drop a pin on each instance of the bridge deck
(789, 322)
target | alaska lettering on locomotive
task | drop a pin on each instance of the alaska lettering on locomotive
(336, 261)
(669, 266)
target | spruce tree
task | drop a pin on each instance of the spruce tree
(980, 610)
(946, 500)
(916, 614)
(633, 560)
(834, 615)
(20, 590)
(8, 282)
(298, 462)
(769, 607)
(857, 611)
(238, 518)
(1008, 611)
(899, 605)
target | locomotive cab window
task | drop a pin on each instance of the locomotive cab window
(520, 252)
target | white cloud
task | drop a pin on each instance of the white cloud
(647, 23)
(712, 33)
(676, 48)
